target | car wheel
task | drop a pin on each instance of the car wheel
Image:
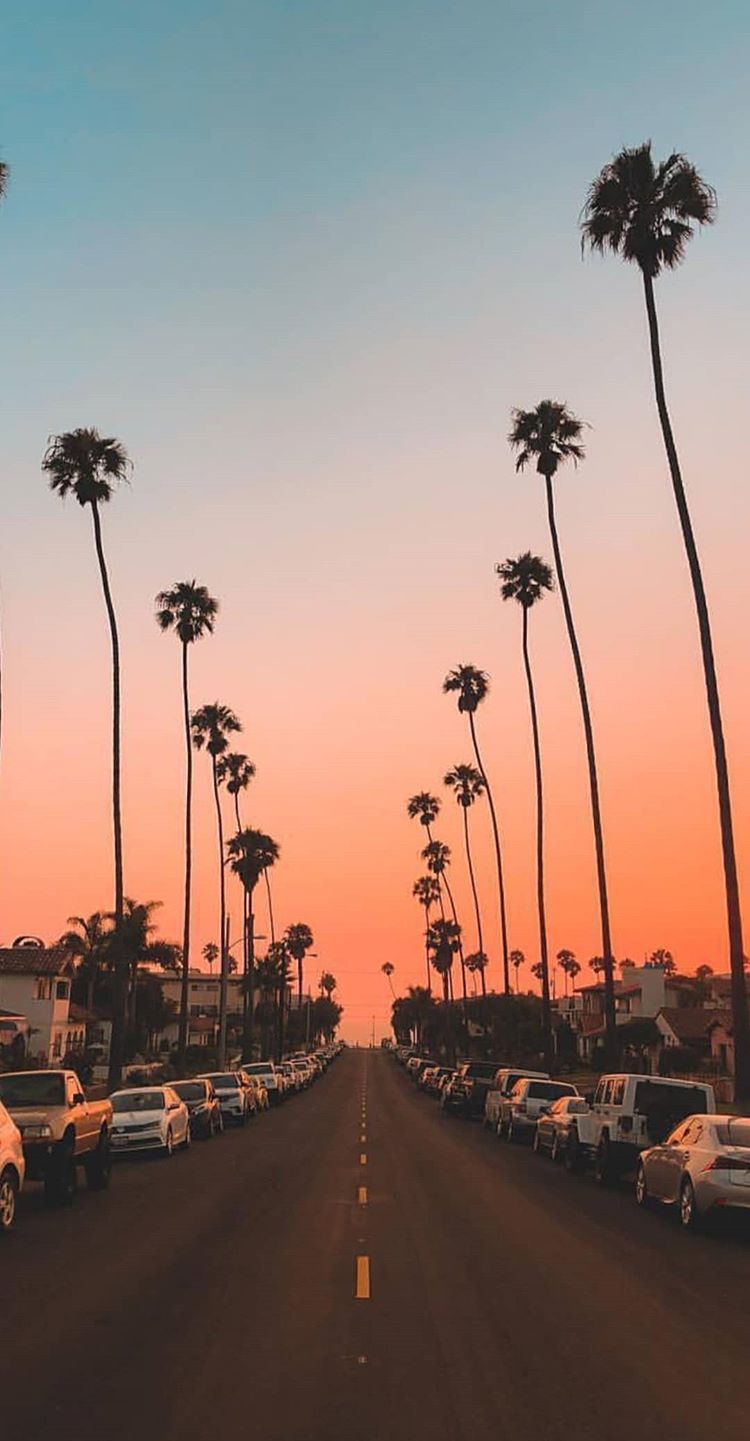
(188, 1139)
(536, 1144)
(641, 1187)
(168, 1148)
(99, 1166)
(61, 1181)
(603, 1171)
(572, 1156)
(555, 1148)
(689, 1216)
(8, 1194)
(500, 1130)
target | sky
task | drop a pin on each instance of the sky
(302, 259)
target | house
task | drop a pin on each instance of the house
(203, 1006)
(35, 984)
(721, 1041)
(642, 993)
(687, 1026)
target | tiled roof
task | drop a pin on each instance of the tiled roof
(691, 1023)
(33, 961)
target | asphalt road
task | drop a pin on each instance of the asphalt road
(216, 1295)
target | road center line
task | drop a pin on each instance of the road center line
(363, 1159)
(362, 1195)
(362, 1291)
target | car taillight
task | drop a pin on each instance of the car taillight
(727, 1163)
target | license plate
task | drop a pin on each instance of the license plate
(120, 1140)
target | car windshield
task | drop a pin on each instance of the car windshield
(480, 1070)
(549, 1090)
(223, 1082)
(32, 1088)
(138, 1101)
(734, 1132)
(189, 1090)
(262, 1068)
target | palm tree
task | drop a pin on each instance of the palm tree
(425, 808)
(472, 686)
(236, 771)
(210, 955)
(468, 785)
(525, 580)
(646, 213)
(388, 968)
(88, 465)
(477, 963)
(211, 727)
(550, 435)
(4, 173)
(190, 612)
(443, 941)
(251, 852)
(438, 858)
(88, 941)
(569, 966)
(517, 959)
(139, 947)
(427, 891)
(665, 959)
(298, 940)
(327, 984)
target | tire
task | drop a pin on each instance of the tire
(511, 1134)
(572, 1158)
(8, 1197)
(555, 1148)
(536, 1144)
(642, 1197)
(99, 1166)
(689, 1217)
(168, 1147)
(188, 1141)
(603, 1168)
(61, 1180)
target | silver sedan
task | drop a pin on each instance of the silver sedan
(553, 1126)
(703, 1167)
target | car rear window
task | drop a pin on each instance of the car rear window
(481, 1070)
(735, 1132)
(189, 1090)
(223, 1081)
(549, 1090)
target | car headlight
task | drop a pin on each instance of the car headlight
(37, 1133)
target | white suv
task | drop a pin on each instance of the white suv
(628, 1114)
(502, 1085)
(12, 1168)
(528, 1100)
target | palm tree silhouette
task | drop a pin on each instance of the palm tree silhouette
(476, 964)
(236, 771)
(211, 727)
(388, 968)
(438, 858)
(646, 213)
(425, 808)
(467, 785)
(189, 611)
(472, 686)
(569, 966)
(327, 984)
(89, 942)
(298, 940)
(525, 580)
(4, 174)
(427, 891)
(550, 435)
(88, 465)
(251, 852)
(517, 959)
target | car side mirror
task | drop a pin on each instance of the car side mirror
(589, 1098)
(78, 1098)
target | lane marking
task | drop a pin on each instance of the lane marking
(362, 1138)
(362, 1195)
(363, 1159)
(362, 1290)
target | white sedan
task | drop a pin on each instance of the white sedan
(703, 1167)
(149, 1119)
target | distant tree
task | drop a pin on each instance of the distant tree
(298, 940)
(89, 942)
(476, 964)
(646, 213)
(665, 959)
(251, 852)
(427, 891)
(703, 972)
(388, 968)
(627, 964)
(467, 785)
(517, 959)
(89, 466)
(597, 964)
(438, 858)
(210, 955)
(569, 966)
(425, 808)
(211, 727)
(472, 687)
(189, 611)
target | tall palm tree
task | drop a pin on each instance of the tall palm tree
(211, 727)
(525, 580)
(298, 940)
(438, 858)
(327, 984)
(236, 772)
(472, 686)
(425, 808)
(388, 968)
(89, 466)
(189, 611)
(251, 852)
(88, 941)
(550, 435)
(569, 966)
(467, 785)
(646, 213)
(517, 959)
(4, 174)
(477, 963)
(427, 891)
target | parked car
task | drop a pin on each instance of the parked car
(274, 1081)
(12, 1168)
(501, 1086)
(204, 1107)
(235, 1097)
(629, 1114)
(520, 1111)
(464, 1094)
(432, 1079)
(703, 1167)
(149, 1118)
(60, 1130)
(292, 1078)
(553, 1126)
(258, 1087)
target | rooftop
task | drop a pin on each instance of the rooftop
(34, 961)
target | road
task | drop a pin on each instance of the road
(216, 1295)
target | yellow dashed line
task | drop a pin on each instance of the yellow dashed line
(362, 1291)
(363, 1159)
(362, 1196)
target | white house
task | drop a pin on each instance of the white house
(35, 986)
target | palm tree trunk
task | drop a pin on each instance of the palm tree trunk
(498, 853)
(224, 957)
(596, 814)
(248, 1019)
(470, 864)
(543, 954)
(740, 1017)
(452, 904)
(427, 950)
(182, 1033)
(119, 1007)
(270, 906)
(437, 875)
(245, 904)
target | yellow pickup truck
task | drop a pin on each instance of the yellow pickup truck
(60, 1130)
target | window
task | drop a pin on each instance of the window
(43, 988)
(618, 1092)
(61, 990)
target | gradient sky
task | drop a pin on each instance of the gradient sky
(302, 257)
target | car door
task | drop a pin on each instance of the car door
(676, 1153)
(663, 1165)
(546, 1123)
